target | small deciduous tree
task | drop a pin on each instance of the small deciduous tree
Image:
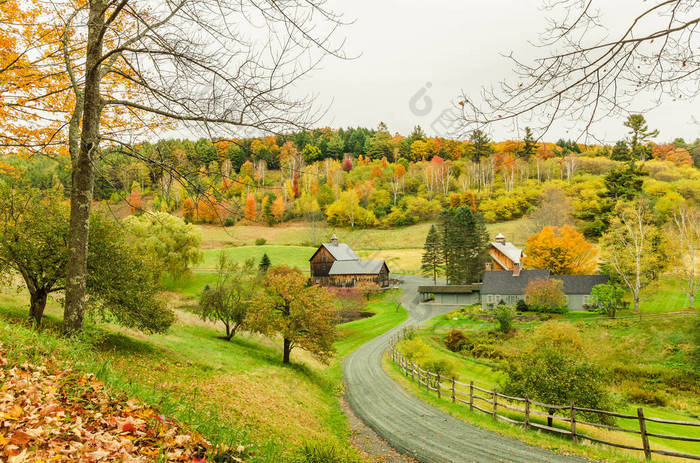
(250, 212)
(562, 251)
(433, 257)
(554, 371)
(302, 315)
(170, 244)
(504, 316)
(231, 295)
(607, 299)
(546, 295)
(632, 247)
(685, 244)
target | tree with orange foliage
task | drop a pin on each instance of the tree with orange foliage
(376, 172)
(188, 210)
(562, 251)
(278, 208)
(135, 201)
(250, 212)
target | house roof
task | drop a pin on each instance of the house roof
(356, 267)
(509, 249)
(581, 284)
(341, 251)
(503, 282)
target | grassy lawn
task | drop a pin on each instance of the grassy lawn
(236, 392)
(293, 256)
(666, 296)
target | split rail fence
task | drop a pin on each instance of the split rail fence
(530, 413)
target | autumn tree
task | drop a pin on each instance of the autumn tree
(346, 210)
(546, 295)
(433, 255)
(633, 247)
(684, 241)
(228, 299)
(113, 70)
(302, 315)
(250, 212)
(170, 244)
(562, 251)
(554, 210)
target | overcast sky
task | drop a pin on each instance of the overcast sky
(444, 47)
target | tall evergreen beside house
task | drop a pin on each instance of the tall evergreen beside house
(432, 254)
(465, 245)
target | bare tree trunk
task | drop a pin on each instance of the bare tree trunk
(83, 177)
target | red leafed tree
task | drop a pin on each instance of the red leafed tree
(304, 316)
(347, 165)
(135, 201)
(295, 185)
(250, 211)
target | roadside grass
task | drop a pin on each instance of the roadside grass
(237, 392)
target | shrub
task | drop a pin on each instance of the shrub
(546, 295)
(455, 340)
(414, 349)
(229, 222)
(260, 241)
(504, 316)
(521, 306)
(445, 367)
(646, 396)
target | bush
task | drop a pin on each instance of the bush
(504, 316)
(414, 349)
(445, 367)
(521, 306)
(229, 222)
(646, 396)
(455, 340)
(260, 241)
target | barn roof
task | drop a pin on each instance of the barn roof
(509, 249)
(341, 251)
(503, 282)
(581, 284)
(356, 267)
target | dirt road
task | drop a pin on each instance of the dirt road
(412, 426)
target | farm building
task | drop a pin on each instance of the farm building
(504, 255)
(336, 264)
(509, 287)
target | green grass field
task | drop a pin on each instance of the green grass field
(293, 256)
(236, 392)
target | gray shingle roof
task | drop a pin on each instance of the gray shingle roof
(581, 284)
(503, 282)
(341, 251)
(356, 267)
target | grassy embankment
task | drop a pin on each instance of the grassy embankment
(234, 392)
(650, 362)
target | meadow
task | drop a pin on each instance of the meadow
(237, 392)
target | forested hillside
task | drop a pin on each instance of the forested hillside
(364, 178)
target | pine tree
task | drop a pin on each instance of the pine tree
(432, 254)
(264, 263)
(529, 145)
(465, 245)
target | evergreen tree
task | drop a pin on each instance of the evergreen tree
(432, 254)
(624, 183)
(639, 136)
(621, 152)
(480, 145)
(264, 263)
(529, 145)
(465, 245)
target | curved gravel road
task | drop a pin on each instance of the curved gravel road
(414, 427)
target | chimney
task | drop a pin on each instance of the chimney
(516, 269)
(501, 239)
(334, 240)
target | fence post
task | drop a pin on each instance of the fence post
(427, 380)
(453, 389)
(527, 413)
(643, 430)
(495, 402)
(413, 371)
(573, 424)
(471, 396)
(438, 384)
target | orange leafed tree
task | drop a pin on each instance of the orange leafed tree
(135, 201)
(277, 208)
(562, 251)
(250, 212)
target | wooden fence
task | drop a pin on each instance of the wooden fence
(530, 412)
